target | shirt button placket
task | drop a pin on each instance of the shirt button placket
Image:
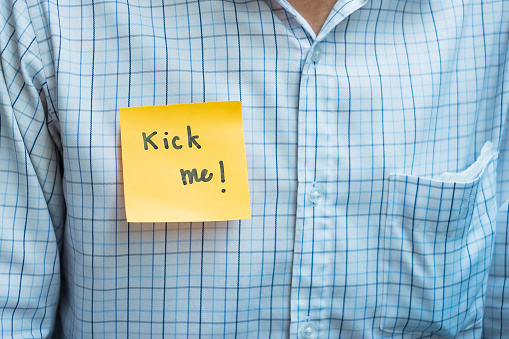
(306, 264)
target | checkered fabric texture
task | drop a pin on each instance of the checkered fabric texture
(367, 116)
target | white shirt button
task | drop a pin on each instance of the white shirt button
(317, 52)
(307, 331)
(315, 195)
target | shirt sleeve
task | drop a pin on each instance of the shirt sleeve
(32, 208)
(496, 314)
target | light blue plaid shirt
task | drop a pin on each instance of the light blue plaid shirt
(356, 231)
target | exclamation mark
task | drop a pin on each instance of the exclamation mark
(221, 167)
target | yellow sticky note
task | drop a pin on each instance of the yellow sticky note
(184, 162)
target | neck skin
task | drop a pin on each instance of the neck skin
(314, 11)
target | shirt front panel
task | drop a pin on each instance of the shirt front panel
(216, 278)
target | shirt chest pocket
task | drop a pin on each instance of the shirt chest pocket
(438, 237)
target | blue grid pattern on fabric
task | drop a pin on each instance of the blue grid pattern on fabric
(368, 114)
